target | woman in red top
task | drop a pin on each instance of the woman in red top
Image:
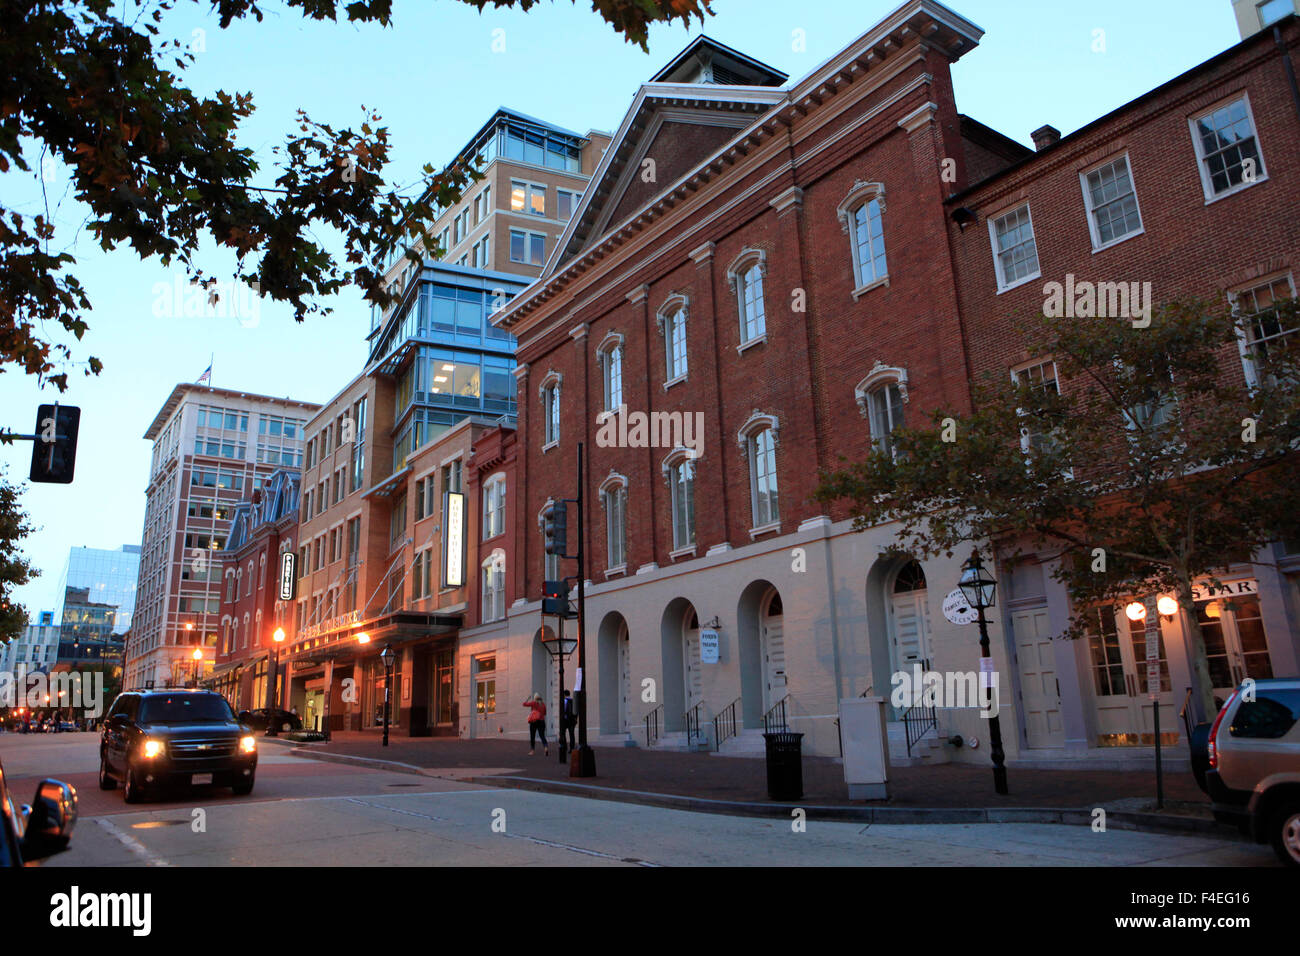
(536, 724)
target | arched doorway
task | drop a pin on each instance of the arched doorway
(909, 618)
(761, 647)
(614, 657)
(545, 680)
(682, 675)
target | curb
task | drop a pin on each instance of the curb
(1068, 816)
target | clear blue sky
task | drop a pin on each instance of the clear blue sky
(435, 78)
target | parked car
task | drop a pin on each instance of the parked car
(154, 738)
(1253, 764)
(259, 719)
(31, 833)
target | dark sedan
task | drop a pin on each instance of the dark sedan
(260, 719)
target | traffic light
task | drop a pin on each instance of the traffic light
(54, 450)
(555, 524)
(555, 598)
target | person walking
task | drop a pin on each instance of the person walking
(536, 724)
(569, 718)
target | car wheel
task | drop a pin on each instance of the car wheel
(1286, 834)
(243, 787)
(106, 781)
(132, 790)
(286, 726)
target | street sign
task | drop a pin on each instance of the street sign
(709, 644)
(957, 610)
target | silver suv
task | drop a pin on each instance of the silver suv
(1254, 764)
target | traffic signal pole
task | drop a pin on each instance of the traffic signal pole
(583, 763)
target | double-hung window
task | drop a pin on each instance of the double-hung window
(1015, 252)
(494, 508)
(1265, 329)
(761, 446)
(1227, 148)
(1111, 201)
(885, 414)
(681, 482)
(527, 198)
(527, 247)
(615, 501)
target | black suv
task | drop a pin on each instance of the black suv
(152, 738)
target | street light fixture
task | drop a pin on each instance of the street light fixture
(386, 655)
(980, 591)
(272, 718)
(198, 662)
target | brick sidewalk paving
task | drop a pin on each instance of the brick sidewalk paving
(744, 779)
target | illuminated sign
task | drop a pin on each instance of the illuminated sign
(288, 576)
(453, 540)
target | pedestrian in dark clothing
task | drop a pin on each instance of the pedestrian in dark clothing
(569, 717)
(536, 724)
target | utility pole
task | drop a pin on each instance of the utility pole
(583, 763)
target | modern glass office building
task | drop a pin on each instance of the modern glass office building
(96, 602)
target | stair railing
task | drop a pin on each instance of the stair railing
(693, 722)
(652, 726)
(724, 723)
(774, 720)
(919, 719)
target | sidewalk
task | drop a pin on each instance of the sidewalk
(943, 793)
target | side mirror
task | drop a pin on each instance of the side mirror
(50, 820)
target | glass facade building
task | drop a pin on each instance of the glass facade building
(447, 360)
(96, 602)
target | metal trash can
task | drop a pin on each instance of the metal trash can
(784, 765)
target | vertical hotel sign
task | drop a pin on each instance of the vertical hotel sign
(453, 540)
(288, 576)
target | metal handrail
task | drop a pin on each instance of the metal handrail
(724, 723)
(774, 720)
(919, 720)
(652, 726)
(693, 722)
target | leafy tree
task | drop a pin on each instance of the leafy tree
(15, 570)
(159, 169)
(1151, 466)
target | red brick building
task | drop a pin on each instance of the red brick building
(262, 530)
(762, 279)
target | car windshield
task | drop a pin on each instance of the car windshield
(184, 709)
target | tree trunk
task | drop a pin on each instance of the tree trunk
(1203, 706)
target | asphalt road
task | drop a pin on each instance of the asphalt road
(306, 812)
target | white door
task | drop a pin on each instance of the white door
(692, 676)
(910, 641)
(1040, 694)
(774, 679)
(624, 680)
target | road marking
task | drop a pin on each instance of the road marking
(514, 836)
(131, 843)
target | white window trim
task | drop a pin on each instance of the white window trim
(676, 302)
(614, 482)
(613, 341)
(879, 375)
(555, 380)
(528, 209)
(1016, 371)
(859, 194)
(757, 423)
(489, 487)
(528, 235)
(1097, 244)
(997, 259)
(741, 265)
(1206, 186)
(1243, 339)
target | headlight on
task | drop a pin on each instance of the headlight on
(152, 748)
(248, 745)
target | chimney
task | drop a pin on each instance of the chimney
(1045, 136)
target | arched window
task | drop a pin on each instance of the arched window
(679, 469)
(862, 217)
(671, 320)
(746, 275)
(610, 356)
(881, 396)
(494, 586)
(613, 498)
(758, 438)
(494, 506)
(550, 395)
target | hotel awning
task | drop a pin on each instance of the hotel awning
(397, 628)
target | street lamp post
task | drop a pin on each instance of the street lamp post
(198, 662)
(272, 718)
(980, 591)
(560, 648)
(386, 655)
